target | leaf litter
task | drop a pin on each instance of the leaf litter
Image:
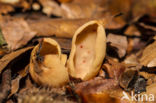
(96, 69)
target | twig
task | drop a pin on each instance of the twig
(5, 85)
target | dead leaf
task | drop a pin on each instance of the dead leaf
(58, 27)
(24, 71)
(131, 59)
(63, 1)
(119, 42)
(24, 4)
(100, 90)
(128, 78)
(150, 90)
(15, 85)
(5, 60)
(148, 55)
(16, 32)
(5, 8)
(51, 7)
(149, 7)
(10, 1)
(75, 10)
(132, 30)
(113, 68)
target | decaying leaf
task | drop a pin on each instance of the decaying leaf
(65, 43)
(150, 91)
(119, 42)
(46, 67)
(2, 40)
(51, 7)
(128, 78)
(148, 55)
(13, 4)
(151, 80)
(63, 1)
(16, 32)
(79, 9)
(43, 95)
(87, 51)
(140, 85)
(100, 91)
(5, 60)
(149, 7)
(132, 60)
(15, 85)
(5, 8)
(113, 68)
(10, 1)
(58, 27)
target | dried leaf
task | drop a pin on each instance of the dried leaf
(148, 55)
(5, 60)
(10, 1)
(51, 7)
(119, 42)
(65, 27)
(2, 41)
(44, 95)
(149, 8)
(75, 10)
(99, 90)
(128, 78)
(114, 69)
(16, 32)
(5, 8)
(63, 1)
(15, 85)
(132, 60)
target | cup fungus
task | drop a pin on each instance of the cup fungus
(47, 64)
(88, 50)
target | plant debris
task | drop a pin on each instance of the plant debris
(77, 51)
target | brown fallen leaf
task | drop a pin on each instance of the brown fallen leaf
(151, 79)
(24, 4)
(44, 95)
(146, 25)
(132, 60)
(15, 85)
(151, 93)
(79, 9)
(63, 1)
(100, 90)
(148, 55)
(5, 85)
(58, 27)
(10, 1)
(5, 60)
(128, 78)
(135, 44)
(119, 42)
(132, 30)
(16, 32)
(113, 68)
(5, 8)
(149, 8)
(51, 7)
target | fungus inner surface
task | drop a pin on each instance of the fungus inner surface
(85, 50)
